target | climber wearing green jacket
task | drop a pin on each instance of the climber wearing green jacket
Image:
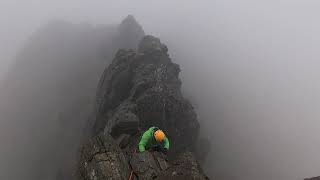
(154, 139)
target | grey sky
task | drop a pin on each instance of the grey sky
(20, 18)
(251, 67)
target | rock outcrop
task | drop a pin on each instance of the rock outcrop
(185, 166)
(141, 88)
(101, 158)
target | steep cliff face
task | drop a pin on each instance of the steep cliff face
(140, 89)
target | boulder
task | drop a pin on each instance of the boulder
(102, 159)
(144, 166)
(185, 167)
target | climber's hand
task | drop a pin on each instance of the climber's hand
(165, 151)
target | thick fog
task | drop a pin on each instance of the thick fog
(249, 67)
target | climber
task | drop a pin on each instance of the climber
(154, 139)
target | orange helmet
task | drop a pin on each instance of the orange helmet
(159, 135)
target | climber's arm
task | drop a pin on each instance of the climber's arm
(144, 140)
(166, 143)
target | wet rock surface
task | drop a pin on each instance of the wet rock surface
(141, 88)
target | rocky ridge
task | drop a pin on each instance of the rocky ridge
(140, 88)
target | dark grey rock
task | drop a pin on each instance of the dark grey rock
(151, 44)
(123, 140)
(138, 90)
(145, 166)
(161, 160)
(123, 121)
(142, 89)
(102, 159)
(185, 167)
(114, 87)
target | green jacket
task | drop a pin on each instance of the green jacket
(148, 141)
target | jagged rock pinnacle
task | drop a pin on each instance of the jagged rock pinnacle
(130, 33)
(130, 24)
(138, 90)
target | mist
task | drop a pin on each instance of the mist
(249, 67)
